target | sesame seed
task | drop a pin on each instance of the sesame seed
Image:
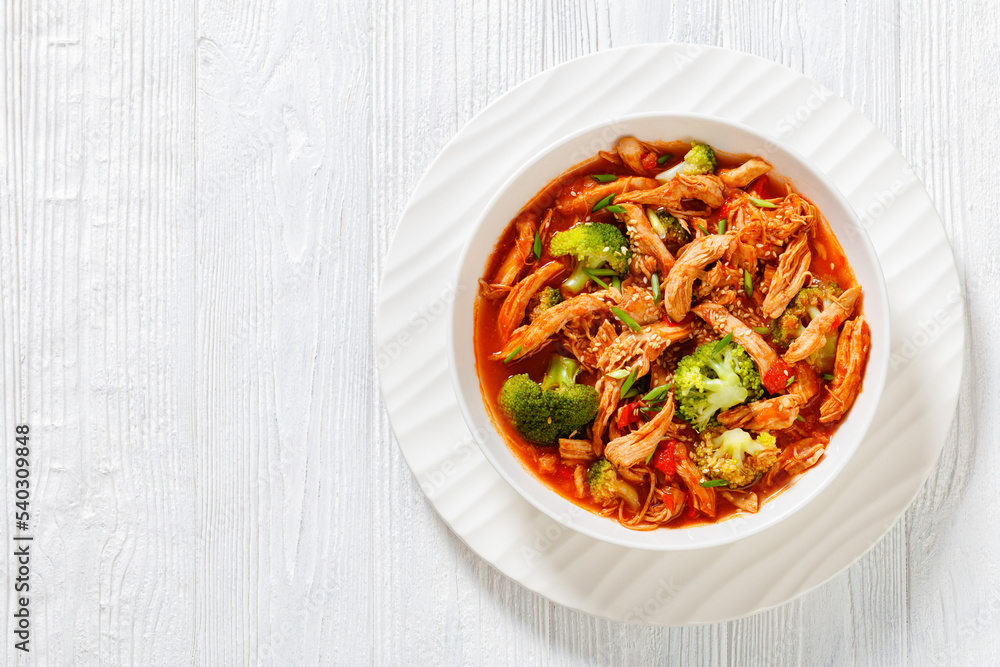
(606, 249)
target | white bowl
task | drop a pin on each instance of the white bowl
(728, 137)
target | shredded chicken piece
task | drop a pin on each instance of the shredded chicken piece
(516, 257)
(639, 303)
(770, 226)
(770, 414)
(745, 500)
(704, 498)
(633, 448)
(528, 338)
(576, 450)
(638, 349)
(706, 188)
(724, 322)
(543, 229)
(789, 276)
(745, 174)
(493, 292)
(609, 390)
(642, 266)
(546, 197)
(512, 311)
(802, 455)
(583, 201)
(718, 277)
(694, 258)
(814, 337)
(671, 503)
(584, 346)
(644, 238)
(580, 481)
(806, 384)
(630, 150)
(848, 370)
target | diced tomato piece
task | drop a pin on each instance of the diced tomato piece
(648, 161)
(663, 458)
(776, 377)
(628, 415)
(724, 211)
(758, 187)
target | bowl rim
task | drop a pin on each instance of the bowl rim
(751, 524)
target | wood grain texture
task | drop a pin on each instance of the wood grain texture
(197, 198)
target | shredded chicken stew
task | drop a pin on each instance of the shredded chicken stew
(667, 335)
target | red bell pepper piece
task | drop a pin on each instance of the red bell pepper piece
(628, 415)
(776, 377)
(663, 458)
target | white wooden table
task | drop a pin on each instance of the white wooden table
(195, 203)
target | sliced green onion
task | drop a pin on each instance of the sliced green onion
(747, 283)
(626, 319)
(634, 391)
(799, 418)
(619, 374)
(722, 226)
(604, 202)
(616, 282)
(709, 483)
(663, 158)
(517, 351)
(721, 345)
(604, 178)
(649, 457)
(593, 276)
(790, 381)
(656, 394)
(703, 230)
(538, 246)
(827, 377)
(656, 223)
(762, 203)
(603, 272)
(614, 208)
(761, 330)
(650, 408)
(655, 279)
(629, 381)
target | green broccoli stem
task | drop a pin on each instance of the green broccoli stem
(562, 372)
(578, 279)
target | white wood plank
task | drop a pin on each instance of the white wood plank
(283, 326)
(96, 253)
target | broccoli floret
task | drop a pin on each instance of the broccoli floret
(544, 299)
(668, 228)
(592, 245)
(807, 304)
(708, 382)
(545, 412)
(605, 484)
(735, 457)
(699, 160)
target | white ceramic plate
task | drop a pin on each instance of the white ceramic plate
(730, 137)
(717, 583)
